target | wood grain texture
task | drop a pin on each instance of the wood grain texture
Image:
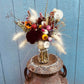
(41, 5)
(2, 80)
(20, 8)
(8, 48)
(70, 9)
(80, 46)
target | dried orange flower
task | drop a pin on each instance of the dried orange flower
(44, 37)
(28, 24)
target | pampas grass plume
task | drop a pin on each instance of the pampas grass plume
(18, 35)
(34, 16)
(59, 47)
(23, 43)
(58, 37)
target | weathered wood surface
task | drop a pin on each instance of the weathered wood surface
(9, 58)
(13, 60)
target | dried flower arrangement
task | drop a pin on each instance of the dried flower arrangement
(43, 30)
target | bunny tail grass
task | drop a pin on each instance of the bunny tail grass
(58, 38)
(34, 16)
(18, 35)
(22, 44)
(59, 47)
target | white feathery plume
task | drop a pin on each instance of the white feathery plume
(57, 37)
(59, 47)
(23, 43)
(34, 16)
(18, 35)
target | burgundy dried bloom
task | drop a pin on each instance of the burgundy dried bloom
(43, 19)
(39, 20)
(44, 27)
(33, 36)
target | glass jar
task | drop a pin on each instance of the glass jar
(43, 57)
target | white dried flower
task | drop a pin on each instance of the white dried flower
(58, 14)
(46, 44)
(45, 31)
